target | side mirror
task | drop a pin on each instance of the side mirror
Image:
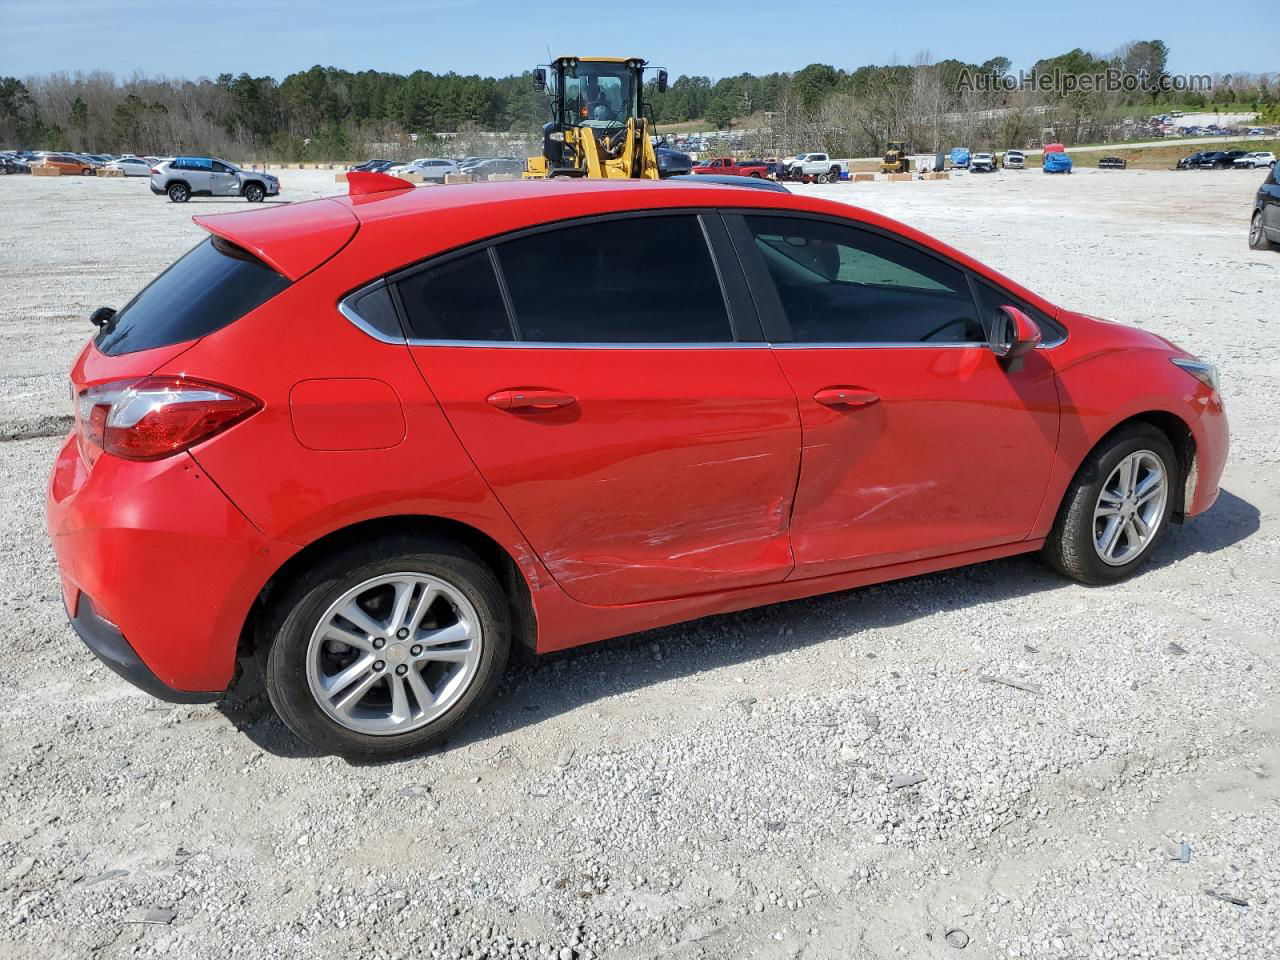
(102, 316)
(662, 81)
(1013, 336)
(540, 78)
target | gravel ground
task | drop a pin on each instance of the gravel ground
(837, 777)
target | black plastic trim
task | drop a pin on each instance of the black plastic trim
(109, 645)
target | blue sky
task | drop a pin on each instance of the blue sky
(496, 37)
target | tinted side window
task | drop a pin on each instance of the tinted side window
(213, 285)
(458, 300)
(631, 280)
(841, 284)
(220, 167)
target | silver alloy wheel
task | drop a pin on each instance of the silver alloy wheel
(1130, 508)
(1255, 229)
(394, 653)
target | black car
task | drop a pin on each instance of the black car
(1221, 159)
(673, 163)
(372, 166)
(11, 164)
(1264, 227)
(1192, 162)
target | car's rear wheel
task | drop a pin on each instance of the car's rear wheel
(254, 192)
(380, 651)
(87, 172)
(1257, 235)
(178, 193)
(1117, 507)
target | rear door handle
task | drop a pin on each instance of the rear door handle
(846, 397)
(531, 400)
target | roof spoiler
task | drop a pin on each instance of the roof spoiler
(360, 183)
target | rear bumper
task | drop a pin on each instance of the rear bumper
(109, 645)
(167, 566)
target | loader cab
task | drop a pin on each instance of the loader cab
(599, 93)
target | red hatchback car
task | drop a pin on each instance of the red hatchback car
(376, 440)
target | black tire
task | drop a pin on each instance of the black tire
(282, 654)
(822, 178)
(254, 192)
(1070, 548)
(87, 172)
(1257, 234)
(178, 193)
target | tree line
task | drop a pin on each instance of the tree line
(327, 113)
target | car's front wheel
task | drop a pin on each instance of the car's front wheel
(1117, 507)
(1257, 234)
(254, 192)
(179, 193)
(380, 651)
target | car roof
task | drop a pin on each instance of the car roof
(297, 238)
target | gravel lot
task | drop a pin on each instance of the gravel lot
(826, 778)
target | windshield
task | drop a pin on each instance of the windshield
(599, 94)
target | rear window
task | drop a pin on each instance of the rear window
(214, 285)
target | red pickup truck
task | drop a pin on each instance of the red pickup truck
(731, 167)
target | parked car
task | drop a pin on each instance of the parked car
(960, 158)
(1014, 160)
(1192, 161)
(11, 164)
(1264, 226)
(131, 166)
(431, 168)
(817, 166)
(1220, 159)
(1112, 163)
(731, 180)
(982, 163)
(1257, 132)
(1258, 158)
(672, 163)
(230, 485)
(69, 163)
(372, 166)
(728, 166)
(182, 178)
(507, 166)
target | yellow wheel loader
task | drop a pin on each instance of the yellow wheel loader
(896, 159)
(598, 126)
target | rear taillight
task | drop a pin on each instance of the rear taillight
(155, 169)
(156, 417)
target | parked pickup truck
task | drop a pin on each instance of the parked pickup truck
(733, 168)
(817, 165)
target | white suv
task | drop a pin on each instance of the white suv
(431, 168)
(1259, 158)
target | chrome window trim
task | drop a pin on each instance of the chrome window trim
(347, 309)
(561, 345)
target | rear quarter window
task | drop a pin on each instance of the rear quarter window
(214, 285)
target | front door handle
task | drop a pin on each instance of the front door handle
(531, 400)
(846, 397)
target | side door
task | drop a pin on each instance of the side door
(917, 441)
(1271, 204)
(609, 379)
(195, 172)
(223, 181)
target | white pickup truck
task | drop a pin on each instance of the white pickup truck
(819, 166)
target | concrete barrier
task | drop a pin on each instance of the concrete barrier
(43, 170)
(411, 177)
(104, 172)
(863, 178)
(899, 178)
(937, 175)
(502, 177)
(457, 178)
